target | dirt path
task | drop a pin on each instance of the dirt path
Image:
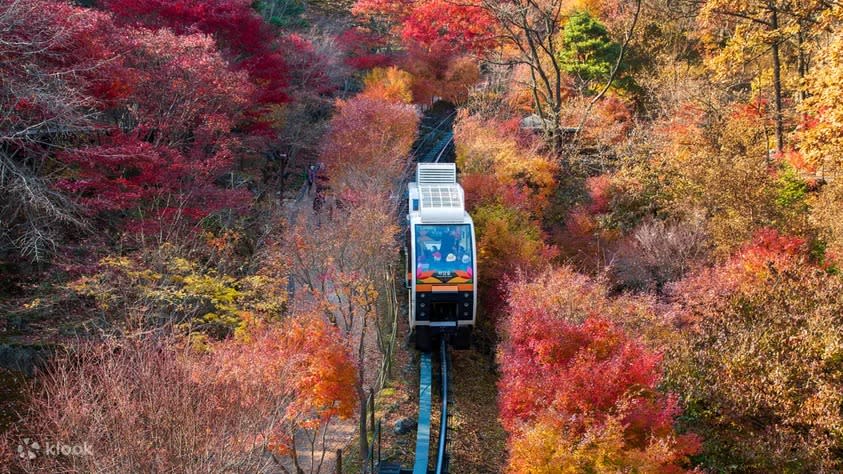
(341, 434)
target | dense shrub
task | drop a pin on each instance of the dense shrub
(576, 390)
(759, 362)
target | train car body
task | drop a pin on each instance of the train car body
(441, 258)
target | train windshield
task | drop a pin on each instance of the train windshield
(444, 253)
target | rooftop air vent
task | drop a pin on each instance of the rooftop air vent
(436, 173)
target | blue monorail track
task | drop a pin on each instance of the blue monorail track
(425, 405)
(422, 459)
(423, 430)
(442, 453)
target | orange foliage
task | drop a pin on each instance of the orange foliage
(148, 404)
(576, 390)
(484, 148)
(306, 353)
(390, 84)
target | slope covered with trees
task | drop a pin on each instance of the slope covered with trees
(200, 198)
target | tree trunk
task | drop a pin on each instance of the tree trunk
(361, 394)
(777, 82)
(802, 62)
(363, 434)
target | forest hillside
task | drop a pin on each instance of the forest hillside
(202, 227)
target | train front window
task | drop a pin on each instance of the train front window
(444, 251)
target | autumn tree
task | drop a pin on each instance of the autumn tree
(821, 140)
(181, 104)
(391, 84)
(535, 30)
(435, 74)
(51, 55)
(485, 147)
(447, 28)
(342, 258)
(758, 365)
(342, 267)
(153, 404)
(755, 27)
(239, 30)
(450, 28)
(576, 392)
(442, 41)
(740, 187)
(368, 143)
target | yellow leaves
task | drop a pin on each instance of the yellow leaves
(35, 303)
(482, 148)
(390, 84)
(198, 342)
(549, 447)
(181, 265)
(184, 290)
(822, 138)
(116, 262)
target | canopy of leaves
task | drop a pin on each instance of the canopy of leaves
(237, 27)
(759, 367)
(369, 142)
(391, 84)
(576, 389)
(821, 141)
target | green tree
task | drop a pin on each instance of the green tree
(588, 52)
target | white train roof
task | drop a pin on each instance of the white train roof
(441, 203)
(440, 199)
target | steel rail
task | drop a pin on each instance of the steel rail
(442, 452)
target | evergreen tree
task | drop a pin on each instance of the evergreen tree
(588, 52)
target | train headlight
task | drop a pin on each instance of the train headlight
(465, 304)
(421, 305)
(467, 295)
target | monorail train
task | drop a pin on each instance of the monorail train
(441, 258)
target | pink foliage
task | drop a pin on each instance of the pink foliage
(769, 251)
(361, 49)
(599, 188)
(565, 363)
(308, 68)
(237, 27)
